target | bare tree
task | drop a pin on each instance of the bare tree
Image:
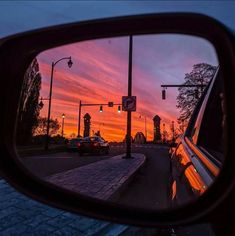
(41, 128)
(188, 97)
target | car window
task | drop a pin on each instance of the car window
(192, 131)
(211, 134)
(208, 128)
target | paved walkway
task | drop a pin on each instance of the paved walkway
(20, 215)
(103, 179)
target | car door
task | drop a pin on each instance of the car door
(199, 156)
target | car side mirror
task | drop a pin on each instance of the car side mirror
(14, 66)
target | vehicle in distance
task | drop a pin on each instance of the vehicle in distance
(94, 144)
(199, 154)
(72, 144)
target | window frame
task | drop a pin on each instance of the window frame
(196, 123)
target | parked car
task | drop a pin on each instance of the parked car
(72, 144)
(198, 157)
(94, 144)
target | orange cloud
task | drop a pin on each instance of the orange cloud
(99, 74)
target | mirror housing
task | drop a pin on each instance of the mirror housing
(29, 44)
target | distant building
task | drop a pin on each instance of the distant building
(87, 125)
(139, 138)
(156, 131)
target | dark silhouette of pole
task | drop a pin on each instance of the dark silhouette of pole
(70, 63)
(49, 107)
(128, 135)
(145, 124)
(79, 118)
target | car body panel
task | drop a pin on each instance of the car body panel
(73, 144)
(194, 169)
(93, 145)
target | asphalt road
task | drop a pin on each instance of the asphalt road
(45, 165)
(150, 187)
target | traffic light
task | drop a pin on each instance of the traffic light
(101, 108)
(119, 109)
(163, 94)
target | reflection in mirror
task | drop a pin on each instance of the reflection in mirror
(134, 120)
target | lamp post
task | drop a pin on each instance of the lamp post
(62, 133)
(70, 63)
(145, 126)
(129, 90)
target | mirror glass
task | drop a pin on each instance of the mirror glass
(136, 120)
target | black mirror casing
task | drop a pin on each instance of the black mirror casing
(18, 51)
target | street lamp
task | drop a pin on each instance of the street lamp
(145, 126)
(63, 116)
(70, 63)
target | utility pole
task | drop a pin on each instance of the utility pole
(165, 86)
(128, 134)
(53, 64)
(79, 118)
(145, 128)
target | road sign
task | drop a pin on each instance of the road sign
(129, 103)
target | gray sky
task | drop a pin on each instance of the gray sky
(18, 16)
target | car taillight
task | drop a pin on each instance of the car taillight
(78, 144)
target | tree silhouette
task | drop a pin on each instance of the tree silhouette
(41, 128)
(188, 97)
(29, 106)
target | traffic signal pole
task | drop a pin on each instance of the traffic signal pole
(109, 104)
(128, 134)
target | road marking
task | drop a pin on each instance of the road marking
(52, 157)
(143, 146)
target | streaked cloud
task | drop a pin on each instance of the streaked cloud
(100, 72)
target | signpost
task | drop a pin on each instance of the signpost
(129, 103)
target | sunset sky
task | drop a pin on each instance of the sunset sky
(99, 74)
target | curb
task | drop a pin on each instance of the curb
(108, 178)
(116, 195)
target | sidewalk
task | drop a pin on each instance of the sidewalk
(103, 179)
(20, 215)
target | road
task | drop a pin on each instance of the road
(45, 165)
(149, 188)
(21, 215)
